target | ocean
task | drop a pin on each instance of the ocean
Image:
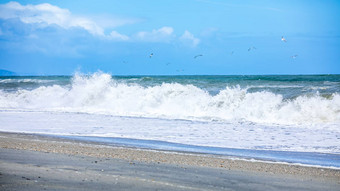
(255, 116)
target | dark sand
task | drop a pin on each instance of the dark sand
(33, 162)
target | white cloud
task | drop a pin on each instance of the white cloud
(49, 14)
(190, 39)
(164, 34)
(110, 21)
(46, 14)
(114, 35)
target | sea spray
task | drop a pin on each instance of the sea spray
(101, 94)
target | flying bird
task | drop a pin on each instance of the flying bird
(151, 55)
(294, 56)
(283, 39)
(251, 48)
(232, 52)
(198, 56)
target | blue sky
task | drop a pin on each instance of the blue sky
(67, 36)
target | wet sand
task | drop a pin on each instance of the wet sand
(34, 162)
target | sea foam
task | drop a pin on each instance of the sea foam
(101, 94)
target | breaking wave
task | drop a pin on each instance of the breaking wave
(101, 94)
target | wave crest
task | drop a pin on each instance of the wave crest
(101, 94)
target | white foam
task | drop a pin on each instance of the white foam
(25, 81)
(274, 86)
(216, 134)
(100, 94)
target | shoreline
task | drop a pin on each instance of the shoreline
(309, 159)
(48, 144)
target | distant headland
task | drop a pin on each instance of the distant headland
(7, 73)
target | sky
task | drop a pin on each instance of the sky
(185, 37)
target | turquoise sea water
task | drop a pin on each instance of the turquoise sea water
(289, 86)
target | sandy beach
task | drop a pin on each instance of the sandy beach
(169, 95)
(35, 162)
